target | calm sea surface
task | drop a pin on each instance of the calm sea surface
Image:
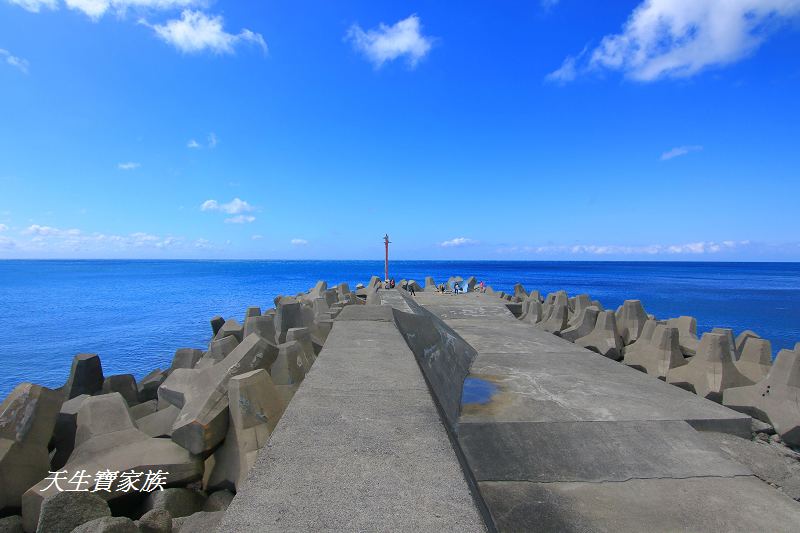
(135, 314)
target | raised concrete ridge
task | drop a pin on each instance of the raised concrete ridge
(361, 446)
(559, 438)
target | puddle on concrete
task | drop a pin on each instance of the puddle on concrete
(477, 391)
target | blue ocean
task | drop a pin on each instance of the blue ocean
(135, 314)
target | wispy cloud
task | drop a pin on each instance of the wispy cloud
(198, 32)
(41, 238)
(34, 6)
(679, 38)
(679, 151)
(692, 248)
(257, 237)
(14, 61)
(212, 141)
(387, 43)
(298, 242)
(458, 241)
(237, 207)
(3, 227)
(130, 165)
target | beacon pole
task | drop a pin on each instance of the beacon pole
(386, 262)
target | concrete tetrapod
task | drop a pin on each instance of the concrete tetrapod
(108, 440)
(728, 334)
(520, 292)
(557, 320)
(659, 354)
(202, 394)
(630, 320)
(27, 418)
(472, 281)
(775, 399)
(583, 326)
(185, 358)
(687, 333)
(216, 324)
(580, 302)
(742, 337)
(263, 325)
(288, 315)
(231, 327)
(711, 371)
(640, 345)
(85, 376)
(64, 432)
(124, 384)
(755, 358)
(218, 349)
(148, 385)
(255, 408)
(291, 365)
(604, 338)
(534, 313)
(430, 284)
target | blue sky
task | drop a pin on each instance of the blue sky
(657, 130)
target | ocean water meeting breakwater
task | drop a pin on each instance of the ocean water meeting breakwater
(135, 313)
(535, 411)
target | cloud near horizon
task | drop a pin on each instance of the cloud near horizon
(237, 207)
(692, 248)
(458, 241)
(130, 165)
(680, 38)
(387, 43)
(298, 242)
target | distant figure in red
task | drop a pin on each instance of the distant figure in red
(391, 283)
(483, 287)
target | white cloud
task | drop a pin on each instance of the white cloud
(234, 207)
(565, 73)
(193, 144)
(3, 227)
(387, 43)
(97, 8)
(14, 61)
(240, 219)
(458, 241)
(213, 140)
(48, 231)
(197, 32)
(679, 151)
(128, 166)
(298, 242)
(34, 6)
(692, 248)
(257, 237)
(679, 38)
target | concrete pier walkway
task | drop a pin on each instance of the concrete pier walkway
(361, 446)
(445, 413)
(559, 438)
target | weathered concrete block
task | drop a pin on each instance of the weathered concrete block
(148, 386)
(125, 384)
(27, 418)
(64, 432)
(303, 337)
(113, 444)
(604, 338)
(659, 354)
(264, 326)
(65, 511)
(578, 304)
(557, 321)
(216, 324)
(775, 398)
(251, 312)
(203, 420)
(630, 320)
(687, 333)
(375, 283)
(711, 371)
(201, 521)
(291, 365)
(755, 358)
(289, 315)
(155, 521)
(159, 423)
(728, 334)
(231, 327)
(641, 345)
(373, 297)
(108, 524)
(255, 408)
(177, 501)
(741, 338)
(412, 284)
(583, 325)
(534, 312)
(520, 292)
(11, 524)
(218, 501)
(471, 283)
(186, 358)
(85, 376)
(430, 284)
(318, 290)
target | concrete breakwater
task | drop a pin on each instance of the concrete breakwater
(379, 410)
